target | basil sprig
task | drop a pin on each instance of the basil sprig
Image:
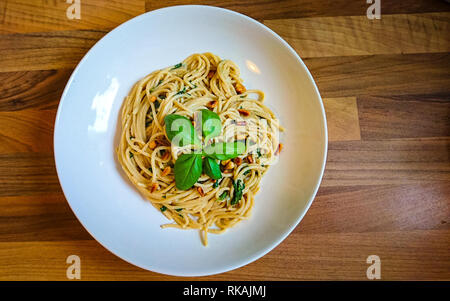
(224, 150)
(180, 130)
(189, 167)
(211, 124)
(212, 168)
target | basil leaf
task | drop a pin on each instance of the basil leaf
(224, 151)
(238, 189)
(180, 131)
(211, 124)
(188, 169)
(211, 168)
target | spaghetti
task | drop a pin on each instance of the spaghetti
(201, 81)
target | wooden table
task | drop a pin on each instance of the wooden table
(386, 188)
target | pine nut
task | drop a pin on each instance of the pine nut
(166, 171)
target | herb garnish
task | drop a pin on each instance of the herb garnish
(180, 130)
(177, 66)
(258, 151)
(238, 189)
(211, 124)
(189, 167)
(212, 168)
(224, 150)
(181, 92)
(223, 195)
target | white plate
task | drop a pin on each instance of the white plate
(86, 135)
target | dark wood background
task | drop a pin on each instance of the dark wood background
(386, 188)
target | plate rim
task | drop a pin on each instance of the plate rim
(242, 262)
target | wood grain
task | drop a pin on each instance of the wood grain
(26, 131)
(39, 218)
(357, 35)
(381, 208)
(342, 119)
(27, 174)
(418, 255)
(19, 16)
(311, 37)
(32, 89)
(386, 189)
(284, 9)
(45, 51)
(387, 162)
(408, 116)
(396, 74)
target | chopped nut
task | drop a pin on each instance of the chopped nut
(243, 112)
(230, 165)
(239, 88)
(250, 159)
(241, 137)
(280, 147)
(200, 190)
(153, 98)
(212, 104)
(166, 171)
(152, 144)
(237, 161)
(155, 186)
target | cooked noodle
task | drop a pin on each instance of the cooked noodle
(201, 81)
